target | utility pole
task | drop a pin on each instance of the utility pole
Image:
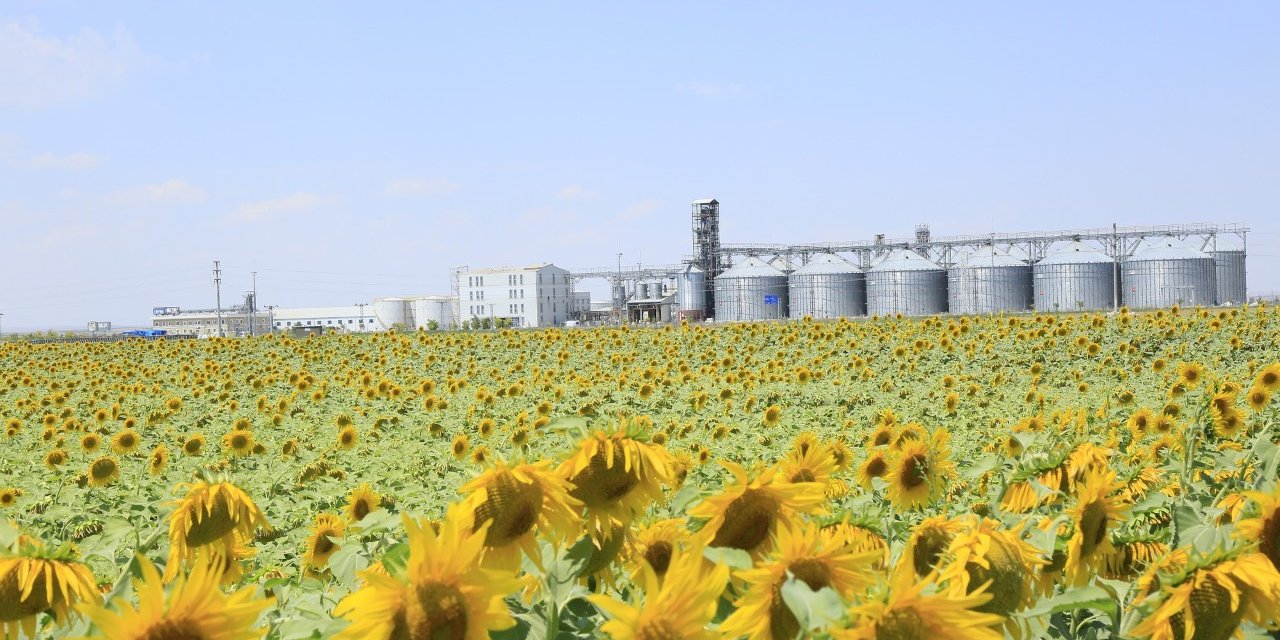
(253, 302)
(619, 293)
(362, 305)
(271, 318)
(217, 286)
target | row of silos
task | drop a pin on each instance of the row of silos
(1074, 277)
(414, 312)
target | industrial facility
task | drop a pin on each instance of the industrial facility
(1076, 270)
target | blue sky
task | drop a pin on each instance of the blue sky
(345, 152)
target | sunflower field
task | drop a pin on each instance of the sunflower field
(1024, 476)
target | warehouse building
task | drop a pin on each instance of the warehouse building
(204, 323)
(356, 318)
(533, 296)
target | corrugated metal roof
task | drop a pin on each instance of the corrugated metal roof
(824, 263)
(989, 257)
(1167, 249)
(1076, 253)
(1226, 243)
(752, 267)
(905, 260)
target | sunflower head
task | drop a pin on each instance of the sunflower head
(35, 580)
(362, 501)
(320, 544)
(746, 514)
(616, 475)
(210, 513)
(511, 503)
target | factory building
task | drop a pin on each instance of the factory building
(305, 320)
(533, 296)
(204, 323)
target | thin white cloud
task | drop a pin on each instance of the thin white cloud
(574, 192)
(640, 210)
(173, 191)
(421, 187)
(54, 161)
(38, 71)
(297, 203)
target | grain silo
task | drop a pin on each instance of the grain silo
(1228, 263)
(827, 287)
(1074, 278)
(1165, 272)
(908, 283)
(987, 281)
(425, 310)
(752, 290)
(691, 296)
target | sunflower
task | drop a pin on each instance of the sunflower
(194, 608)
(9, 496)
(103, 471)
(210, 514)
(997, 558)
(616, 476)
(459, 446)
(805, 553)
(1094, 513)
(680, 606)
(1268, 378)
(362, 501)
(1190, 374)
(745, 515)
(929, 541)
(55, 459)
(914, 478)
(515, 502)
(1209, 597)
(193, 444)
(320, 544)
(875, 466)
(125, 442)
(347, 438)
(90, 442)
(654, 545)
(914, 609)
(884, 434)
(158, 459)
(1258, 398)
(772, 415)
(239, 442)
(1264, 529)
(815, 464)
(442, 593)
(1131, 557)
(34, 580)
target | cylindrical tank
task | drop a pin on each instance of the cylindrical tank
(642, 291)
(1165, 272)
(619, 295)
(426, 309)
(908, 283)
(828, 287)
(391, 312)
(1228, 262)
(691, 288)
(987, 281)
(752, 290)
(1074, 278)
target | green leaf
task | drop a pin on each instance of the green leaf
(732, 558)
(1089, 597)
(396, 559)
(814, 610)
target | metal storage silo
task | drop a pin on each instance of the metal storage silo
(1228, 262)
(691, 287)
(752, 290)
(828, 287)
(908, 283)
(987, 281)
(1166, 272)
(642, 291)
(391, 312)
(1074, 278)
(428, 308)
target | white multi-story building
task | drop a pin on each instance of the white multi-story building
(533, 296)
(580, 305)
(205, 323)
(352, 319)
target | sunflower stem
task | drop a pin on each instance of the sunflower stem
(117, 587)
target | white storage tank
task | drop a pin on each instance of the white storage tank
(752, 290)
(987, 281)
(391, 312)
(827, 287)
(908, 283)
(691, 292)
(426, 309)
(1165, 272)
